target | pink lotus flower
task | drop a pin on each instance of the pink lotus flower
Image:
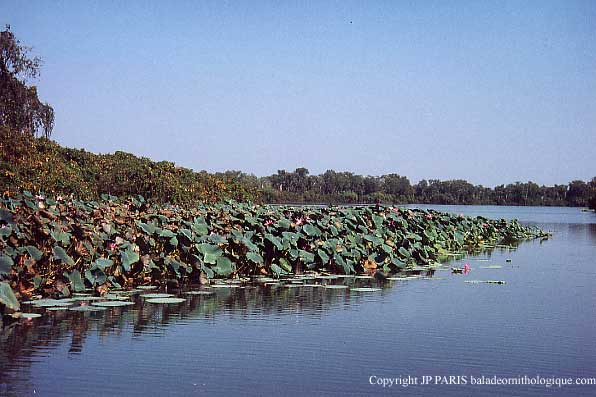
(113, 246)
(268, 222)
(59, 198)
(395, 209)
(429, 216)
(300, 221)
(467, 268)
(485, 225)
(40, 197)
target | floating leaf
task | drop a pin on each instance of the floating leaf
(165, 300)
(365, 289)
(336, 286)
(87, 308)
(116, 303)
(27, 316)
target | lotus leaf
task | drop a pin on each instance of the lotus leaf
(116, 303)
(59, 253)
(75, 280)
(87, 308)
(6, 264)
(165, 300)
(128, 258)
(7, 297)
(34, 252)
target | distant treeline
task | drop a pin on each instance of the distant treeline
(41, 165)
(346, 187)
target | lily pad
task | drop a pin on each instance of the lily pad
(156, 296)
(27, 316)
(87, 308)
(365, 289)
(165, 300)
(53, 302)
(199, 293)
(147, 287)
(336, 286)
(226, 286)
(113, 303)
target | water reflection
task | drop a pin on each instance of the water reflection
(22, 341)
(583, 231)
(25, 342)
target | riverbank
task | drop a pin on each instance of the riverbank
(56, 246)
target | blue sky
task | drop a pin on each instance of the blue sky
(489, 91)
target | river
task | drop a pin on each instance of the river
(305, 340)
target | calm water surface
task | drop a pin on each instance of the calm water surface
(302, 341)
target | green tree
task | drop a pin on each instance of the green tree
(20, 108)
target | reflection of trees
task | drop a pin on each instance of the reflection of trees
(19, 341)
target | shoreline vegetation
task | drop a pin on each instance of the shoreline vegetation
(42, 166)
(55, 247)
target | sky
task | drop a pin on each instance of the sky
(488, 91)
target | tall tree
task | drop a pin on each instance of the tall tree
(20, 108)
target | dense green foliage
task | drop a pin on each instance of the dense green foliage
(57, 246)
(41, 165)
(20, 108)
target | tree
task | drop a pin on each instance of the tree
(578, 194)
(20, 108)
